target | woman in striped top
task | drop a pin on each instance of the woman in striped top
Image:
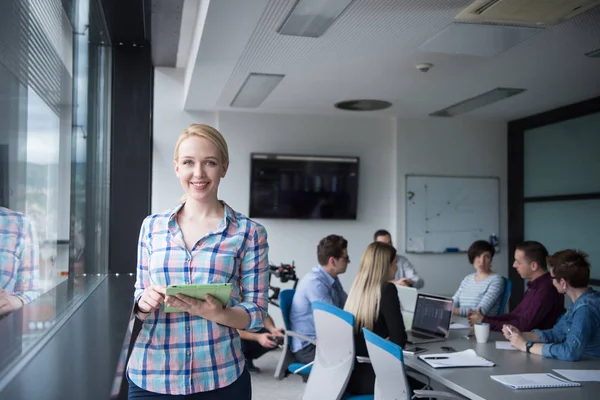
(196, 354)
(483, 289)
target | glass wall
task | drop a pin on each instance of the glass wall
(54, 160)
(562, 186)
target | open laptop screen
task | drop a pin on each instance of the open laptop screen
(432, 315)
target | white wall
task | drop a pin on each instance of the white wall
(388, 150)
(371, 139)
(451, 147)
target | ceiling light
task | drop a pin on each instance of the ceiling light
(311, 18)
(255, 90)
(594, 54)
(476, 102)
(363, 105)
(477, 39)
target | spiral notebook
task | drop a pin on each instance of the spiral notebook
(533, 381)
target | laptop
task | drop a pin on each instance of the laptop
(431, 321)
(407, 297)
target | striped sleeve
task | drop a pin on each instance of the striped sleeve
(489, 301)
(254, 278)
(27, 285)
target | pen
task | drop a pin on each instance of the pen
(510, 330)
(435, 358)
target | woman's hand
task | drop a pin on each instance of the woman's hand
(209, 309)
(456, 310)
(517, 341)
(152, 298)
(509, 330)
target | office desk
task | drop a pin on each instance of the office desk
(475, 383)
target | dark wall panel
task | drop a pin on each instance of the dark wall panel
(131, 153)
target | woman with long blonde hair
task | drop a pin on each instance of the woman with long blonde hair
(373, 300)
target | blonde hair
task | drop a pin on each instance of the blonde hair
(365, 295)
(207, 132)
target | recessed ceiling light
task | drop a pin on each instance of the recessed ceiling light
(255, 90)
(363, 105)
(311, 18)
(478, 101)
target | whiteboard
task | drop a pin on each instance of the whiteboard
(447, 214)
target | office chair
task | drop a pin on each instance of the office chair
(390, 375)
(334, 358)
(286, 364)
(505, 296)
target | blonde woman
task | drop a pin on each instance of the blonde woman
(373, 300)
(196, 354)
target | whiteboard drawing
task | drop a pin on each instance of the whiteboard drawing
(447, 214)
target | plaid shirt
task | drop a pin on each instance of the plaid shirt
(177, 353)
(19, 256)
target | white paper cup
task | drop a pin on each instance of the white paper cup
(482, 332)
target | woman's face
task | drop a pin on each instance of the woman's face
(483, 262)
(392, 270)
(199, 168)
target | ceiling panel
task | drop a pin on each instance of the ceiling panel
(371, 52)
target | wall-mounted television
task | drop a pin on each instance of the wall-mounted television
(303, 187)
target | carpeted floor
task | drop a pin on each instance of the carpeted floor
(265, 387)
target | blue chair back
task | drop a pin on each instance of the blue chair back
(334, 358)
(388, 363)
(505, 296)
(285, 305)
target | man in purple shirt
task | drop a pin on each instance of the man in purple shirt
(541, 305)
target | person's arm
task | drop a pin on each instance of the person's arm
(254, 282)
(493, 293)
(319, 291)
(390, 308)
(556, 334)
(410, 273)
(529, 314)
(585, 324)
(456, 299)
(27, 284)
(498, 321)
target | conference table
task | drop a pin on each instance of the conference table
(475, 383)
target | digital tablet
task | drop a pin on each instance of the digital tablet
(220, 291)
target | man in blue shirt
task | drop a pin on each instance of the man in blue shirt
(320, 284)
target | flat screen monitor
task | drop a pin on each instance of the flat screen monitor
(303, 187)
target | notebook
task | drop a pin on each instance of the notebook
(533, 381)
(467, 358)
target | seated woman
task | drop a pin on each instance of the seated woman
(373, 300)
(481, 291)
(577, 332)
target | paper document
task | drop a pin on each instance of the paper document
(458, 325)
(502, 345)
(467, 358)
(533, 381)
(580, 375)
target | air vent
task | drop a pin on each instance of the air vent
(363, 105)
(525, 12)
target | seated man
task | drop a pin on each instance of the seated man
(541, 305)
(406, 274)
(321, 284)
(255, 344)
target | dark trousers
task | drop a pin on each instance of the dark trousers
(253, 350)
(306, 354)
(241, 389)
